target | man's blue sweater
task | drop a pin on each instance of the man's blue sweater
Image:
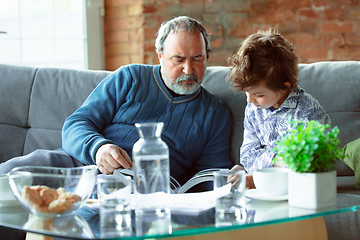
(196, 127)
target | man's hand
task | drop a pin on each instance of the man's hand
(110, 157)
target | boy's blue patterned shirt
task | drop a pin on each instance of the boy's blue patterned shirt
(263, 127)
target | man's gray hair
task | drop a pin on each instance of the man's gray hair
(181, 23)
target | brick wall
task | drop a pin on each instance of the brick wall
(319, 29)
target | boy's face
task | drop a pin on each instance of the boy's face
(263, 97)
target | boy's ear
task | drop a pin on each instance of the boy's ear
(287, 84)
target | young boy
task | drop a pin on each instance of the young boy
(266, 68)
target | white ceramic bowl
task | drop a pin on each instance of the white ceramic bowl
(7, 197)
(78, 180)
(271, 181)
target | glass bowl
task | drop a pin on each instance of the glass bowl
(52, 191)
(7, 198)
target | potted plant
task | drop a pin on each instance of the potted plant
(310, 150)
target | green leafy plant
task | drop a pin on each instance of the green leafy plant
(309, 147)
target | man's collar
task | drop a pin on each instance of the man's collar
(168, 92)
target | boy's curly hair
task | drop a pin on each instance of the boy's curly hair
(265, 55)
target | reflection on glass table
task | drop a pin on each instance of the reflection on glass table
(85, 224)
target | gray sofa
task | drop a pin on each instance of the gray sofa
(34, 102)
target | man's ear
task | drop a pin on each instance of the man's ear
(159, 56)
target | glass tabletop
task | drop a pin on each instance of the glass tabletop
(85, 224)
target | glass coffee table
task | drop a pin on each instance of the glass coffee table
(85, 224)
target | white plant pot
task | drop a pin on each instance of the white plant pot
(312, 190)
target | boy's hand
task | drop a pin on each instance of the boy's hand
(237, 168)
(249, 177)
(110, 157)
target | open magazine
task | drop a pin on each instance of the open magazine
(182, 202)
(202, 176)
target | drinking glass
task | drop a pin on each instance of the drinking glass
(114, 192)
(229, 187)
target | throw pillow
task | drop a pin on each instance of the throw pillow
(352, 159)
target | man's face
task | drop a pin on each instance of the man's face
(183, 61)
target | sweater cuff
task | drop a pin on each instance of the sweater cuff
(96, 147)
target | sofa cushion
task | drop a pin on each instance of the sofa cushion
(215, 82)
(12, 139)
(16, 85)
(336, 86)
(40, 138)
(35, 103)
(57, 93)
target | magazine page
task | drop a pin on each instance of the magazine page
(206, 175)
(202, 176)
(180, 204)
(174, 185)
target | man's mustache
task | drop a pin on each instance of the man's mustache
(188, 77)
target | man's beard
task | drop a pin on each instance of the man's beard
(182, 88)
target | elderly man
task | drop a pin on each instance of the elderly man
(197, 125)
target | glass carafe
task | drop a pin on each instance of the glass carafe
(151, 178)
